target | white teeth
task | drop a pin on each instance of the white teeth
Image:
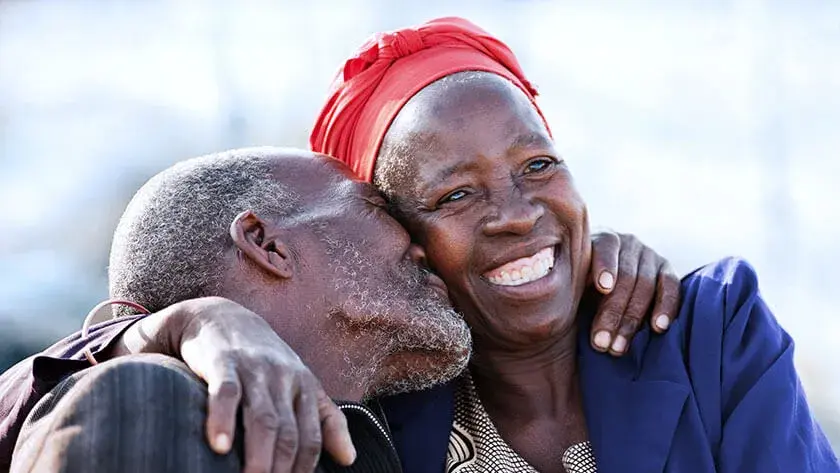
(527, 270)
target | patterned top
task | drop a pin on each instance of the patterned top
(475, 445)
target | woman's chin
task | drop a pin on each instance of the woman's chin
(532, 332)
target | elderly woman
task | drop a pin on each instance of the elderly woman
(441, 118)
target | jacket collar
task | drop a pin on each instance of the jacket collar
(631, 419)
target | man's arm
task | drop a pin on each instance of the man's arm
(637, 286)
(23, 385)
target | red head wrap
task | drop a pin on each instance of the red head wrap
(388, 70)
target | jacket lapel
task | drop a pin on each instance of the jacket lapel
(631, 420)
(420, 423)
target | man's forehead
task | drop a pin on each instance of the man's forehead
(320, 179)
(314, 171)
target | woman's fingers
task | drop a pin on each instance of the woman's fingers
(262, 428)
(224, 393)
(336, 435)
(309, 429)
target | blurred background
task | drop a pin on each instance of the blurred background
(708, 128)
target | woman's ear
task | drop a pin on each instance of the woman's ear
(249, 234)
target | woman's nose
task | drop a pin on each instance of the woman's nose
(516, 216)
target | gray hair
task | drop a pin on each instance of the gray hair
(170, 242)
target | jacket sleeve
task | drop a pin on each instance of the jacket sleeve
(766, 424)
(24, 384)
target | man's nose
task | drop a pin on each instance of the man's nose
(516, 215)
(417, 255)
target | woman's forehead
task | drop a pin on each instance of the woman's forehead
(450, 122)
(491, 130)
(451, 109)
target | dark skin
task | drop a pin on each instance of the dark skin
(489, 187)
(629, 283)
(229, 347)
(281, 271)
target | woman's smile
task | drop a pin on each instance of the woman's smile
(523, 270)
(530, 278)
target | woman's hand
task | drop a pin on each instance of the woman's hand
(635, 283)
(286, 414)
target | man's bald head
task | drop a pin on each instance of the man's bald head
(171, 239)
(291, 236)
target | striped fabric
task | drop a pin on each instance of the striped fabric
(475, 445)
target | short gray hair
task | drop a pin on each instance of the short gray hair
(169, 243)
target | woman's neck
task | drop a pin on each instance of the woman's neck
(533, 398)
(534, 383)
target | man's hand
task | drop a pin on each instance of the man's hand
(286, 413)
(632, 277)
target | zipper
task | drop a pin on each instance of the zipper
(379, 425)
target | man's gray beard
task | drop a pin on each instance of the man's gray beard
(434, 329)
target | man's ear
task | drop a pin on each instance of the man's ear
(254, 238)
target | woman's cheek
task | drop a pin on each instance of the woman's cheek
(446, 253)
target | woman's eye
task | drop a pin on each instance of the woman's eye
(538, 165)
(457, 195)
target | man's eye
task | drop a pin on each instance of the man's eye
(539, 165)
(377, 201)
(452, 197)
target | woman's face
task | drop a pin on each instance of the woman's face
(482, 188)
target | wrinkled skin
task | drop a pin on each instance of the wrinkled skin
(494, 206)
(425, 158)
(337, 280)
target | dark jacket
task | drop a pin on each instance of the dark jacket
(717, 393)
(372, 439)
(23, 385)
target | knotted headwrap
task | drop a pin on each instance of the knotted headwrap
(374, 84)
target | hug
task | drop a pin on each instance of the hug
(420, 292)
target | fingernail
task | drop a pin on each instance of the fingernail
(620, 344)
(662, 322)
(351, 449)
(221, 443)
(602, 340)
(605, 280)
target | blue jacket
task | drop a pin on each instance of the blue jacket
(717, 393)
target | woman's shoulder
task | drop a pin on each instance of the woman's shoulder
(722, 299)
(721, 310)
(728, 281)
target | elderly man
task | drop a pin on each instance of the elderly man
(316, 257)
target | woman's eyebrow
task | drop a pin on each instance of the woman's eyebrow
(446, 173)
(530, 140)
